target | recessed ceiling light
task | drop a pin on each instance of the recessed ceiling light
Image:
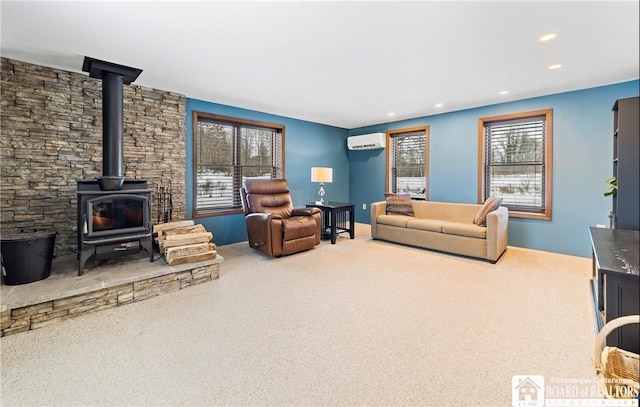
(391, 114)
(555, 66)
(547, 37)
(439, 105)
(504, 92)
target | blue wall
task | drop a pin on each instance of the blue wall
(307, 145)
(582, 154)
(582, 151)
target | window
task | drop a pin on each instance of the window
(407, 162)
(227, 151)
(514, 162)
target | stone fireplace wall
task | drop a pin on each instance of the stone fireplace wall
(51, 136)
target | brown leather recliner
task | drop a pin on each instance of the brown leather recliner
(274, 226)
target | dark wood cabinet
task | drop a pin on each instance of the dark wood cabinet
(616, 283)
(626, 152)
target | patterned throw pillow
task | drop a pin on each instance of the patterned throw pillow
(399, 204)
(491, 204)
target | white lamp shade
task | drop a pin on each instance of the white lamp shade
(321, 174)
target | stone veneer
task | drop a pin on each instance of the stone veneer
(38, 304)
(51, 136)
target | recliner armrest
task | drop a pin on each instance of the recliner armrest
(258, 217)
(263, 216)
(304, 211)
(258, 231)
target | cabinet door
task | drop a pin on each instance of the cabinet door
(622, 298)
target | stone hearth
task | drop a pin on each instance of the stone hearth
(115, 282)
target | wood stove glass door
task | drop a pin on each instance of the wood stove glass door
(116, 215)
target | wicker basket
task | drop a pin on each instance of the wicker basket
(616, 369)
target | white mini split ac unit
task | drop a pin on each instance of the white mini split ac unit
(366, 141)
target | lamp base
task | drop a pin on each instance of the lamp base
(321, 193)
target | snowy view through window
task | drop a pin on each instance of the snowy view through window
(515, 167)
(229, 153)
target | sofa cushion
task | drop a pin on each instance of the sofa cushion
(465, 229)
(394, 220)
(431, 225)
(491, 204)
(399, 204)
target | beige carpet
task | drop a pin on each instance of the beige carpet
(361, 322)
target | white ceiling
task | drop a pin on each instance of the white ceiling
(343, 63)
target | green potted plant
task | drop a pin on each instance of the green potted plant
(613, 185)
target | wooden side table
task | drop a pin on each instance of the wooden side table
(334, 218)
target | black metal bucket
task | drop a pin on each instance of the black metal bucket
(27, 257)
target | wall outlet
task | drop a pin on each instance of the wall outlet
(364, 206)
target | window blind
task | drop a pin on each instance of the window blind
(515, 163)
(408, 164)
(229, 153)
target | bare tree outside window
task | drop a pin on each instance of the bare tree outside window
(407, 162)
(227, 151)
(515, 162)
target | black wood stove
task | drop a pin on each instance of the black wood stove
(114, 213)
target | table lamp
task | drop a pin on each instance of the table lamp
(321, 175)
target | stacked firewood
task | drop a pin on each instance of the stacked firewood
(184, 242)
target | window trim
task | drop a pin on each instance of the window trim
(548, 160)
(194, 178)
(392, 133)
